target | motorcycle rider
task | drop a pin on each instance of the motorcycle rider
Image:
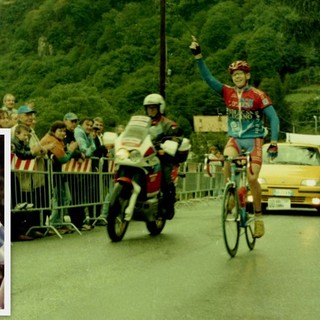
(163, 129)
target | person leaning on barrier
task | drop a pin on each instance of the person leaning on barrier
(20, 143)
(83, 135)
(55, 138)
(71, 121)
(34, 184)
(26, 117)
(77, 215)
(20, 147)
(59, 156)
(108, 140)
(100, 152)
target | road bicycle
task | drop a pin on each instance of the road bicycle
(236, 218)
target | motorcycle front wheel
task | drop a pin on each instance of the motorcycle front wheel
(117, 225)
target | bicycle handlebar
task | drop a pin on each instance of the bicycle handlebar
(244, 159)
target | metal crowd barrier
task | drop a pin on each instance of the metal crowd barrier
(85, 184)
(30, 191)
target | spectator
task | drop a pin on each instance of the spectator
(34, 186)
(78, 185)
(100, 152)
(71, 121)
(77, 216)
(119, 129)
(20, 142)
(59, 156)
(20, 219)
(82, 134)
(216, 169)
(9, 103)
(108, 141)
(4, 119)
(13, 119)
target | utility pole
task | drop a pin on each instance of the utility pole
(163, 49)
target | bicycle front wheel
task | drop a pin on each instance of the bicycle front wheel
(251, 240)
(230, 220)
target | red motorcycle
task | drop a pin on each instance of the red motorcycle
(137, 191)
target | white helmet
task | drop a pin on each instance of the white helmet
(155, 99)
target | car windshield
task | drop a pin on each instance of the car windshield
(294, 155)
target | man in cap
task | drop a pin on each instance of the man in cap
(77, 215)
(33, 186)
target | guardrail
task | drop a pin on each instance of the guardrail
(51, 197)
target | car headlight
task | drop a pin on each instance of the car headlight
(135, 156)
(310, 182)
(122, 154)
(262, 180)
(250, 198)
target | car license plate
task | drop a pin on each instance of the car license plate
(282, 192)
(279, 203)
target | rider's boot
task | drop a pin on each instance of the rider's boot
(169, 199)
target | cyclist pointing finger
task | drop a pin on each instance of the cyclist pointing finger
(246, 107)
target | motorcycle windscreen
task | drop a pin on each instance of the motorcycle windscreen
(133, 136)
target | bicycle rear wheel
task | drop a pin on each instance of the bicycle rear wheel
(230, 220)
(251, 240)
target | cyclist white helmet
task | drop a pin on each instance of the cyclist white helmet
(155, 99)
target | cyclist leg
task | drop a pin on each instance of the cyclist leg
(232, 149)
(255, 187)
(256, 156)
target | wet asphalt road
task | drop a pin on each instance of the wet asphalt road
(185, 273)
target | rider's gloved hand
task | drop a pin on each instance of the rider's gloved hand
(195, 48)
(272, 151)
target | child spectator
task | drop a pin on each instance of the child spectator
(19, 142)
(20, 147)
(59, 156)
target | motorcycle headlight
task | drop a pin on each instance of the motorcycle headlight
(135, 156)
(310, 182)
(122, 154)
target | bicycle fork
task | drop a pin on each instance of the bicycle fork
(242, 194)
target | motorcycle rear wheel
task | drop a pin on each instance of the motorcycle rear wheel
(156, 227)
(117, 226)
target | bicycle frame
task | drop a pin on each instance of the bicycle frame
(234, 207)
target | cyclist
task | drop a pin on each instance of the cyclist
(163, 128)
(246, 107)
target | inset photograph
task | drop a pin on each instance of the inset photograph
(5, 237)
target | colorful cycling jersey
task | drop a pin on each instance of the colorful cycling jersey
(245, 107)
(245, 111)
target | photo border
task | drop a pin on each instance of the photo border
(6, 154)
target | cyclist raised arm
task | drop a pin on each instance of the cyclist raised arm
(246, 106)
